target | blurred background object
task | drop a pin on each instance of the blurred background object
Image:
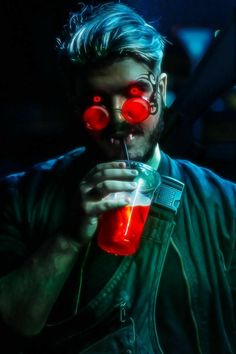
(33, 107)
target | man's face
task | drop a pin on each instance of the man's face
(113, 84)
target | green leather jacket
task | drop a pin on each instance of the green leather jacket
(175, 295)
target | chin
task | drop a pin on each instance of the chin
(118, 154)
(142, 152)
(136, 156)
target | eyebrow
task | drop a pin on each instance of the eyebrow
(142, 83)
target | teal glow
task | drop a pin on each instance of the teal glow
(195, 41)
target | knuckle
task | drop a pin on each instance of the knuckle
(99, 167)
(82, 187)
(100, 189)
(107, 204)
(100, 175)
(105, 185)
(104, 173)
(100, 186)
(97, 175)
(87, 208)
(84, 206)
(114, 164)
(103, 207)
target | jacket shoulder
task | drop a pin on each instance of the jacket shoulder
(205, 182)
(55, 166)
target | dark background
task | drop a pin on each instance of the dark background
(32, 95)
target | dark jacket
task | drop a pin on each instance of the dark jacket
(177, 294)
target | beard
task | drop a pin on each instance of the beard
(100, 153)
(153, 140)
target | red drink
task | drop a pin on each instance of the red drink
(120, 230)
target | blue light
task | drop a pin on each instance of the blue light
(195, 41)
(170, 98)
(218, 105)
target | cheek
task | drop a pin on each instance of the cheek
(150, 124)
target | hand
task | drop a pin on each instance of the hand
(105, 178)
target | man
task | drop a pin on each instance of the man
(59, 292)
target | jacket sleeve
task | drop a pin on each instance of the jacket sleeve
(12, 242)
(25, 201)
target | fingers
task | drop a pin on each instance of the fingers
(100, 178)
(114, 173)
(90, 199)
(109, 181)
(106, 187)
(94, 209)
(106, 165)
(107, 171)
(106, 178)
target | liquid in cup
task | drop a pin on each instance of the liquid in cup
(120, 229)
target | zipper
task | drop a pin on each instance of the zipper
(118, 314)
(114, 316)
(189, 299)
(124, 319)
(123, 314)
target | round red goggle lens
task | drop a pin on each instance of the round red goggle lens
(134, 111)
(96, 118)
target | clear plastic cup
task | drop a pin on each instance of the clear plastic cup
(120, 230)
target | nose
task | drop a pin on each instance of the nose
(116, 105)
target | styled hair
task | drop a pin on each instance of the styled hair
(108, 32)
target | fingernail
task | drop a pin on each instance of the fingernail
(134, 172)
(133, 184)
(93, 221)
(122, 164)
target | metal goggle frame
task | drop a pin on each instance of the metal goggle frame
(134, 110)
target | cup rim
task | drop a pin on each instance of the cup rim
(139, 163)
(150, 168)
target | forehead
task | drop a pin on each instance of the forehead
(116, 76)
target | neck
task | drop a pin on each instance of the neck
(154, 161)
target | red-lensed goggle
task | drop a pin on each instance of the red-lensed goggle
(134, 110)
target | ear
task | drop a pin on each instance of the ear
(162, 86)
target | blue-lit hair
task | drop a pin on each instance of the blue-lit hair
(104, 33)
